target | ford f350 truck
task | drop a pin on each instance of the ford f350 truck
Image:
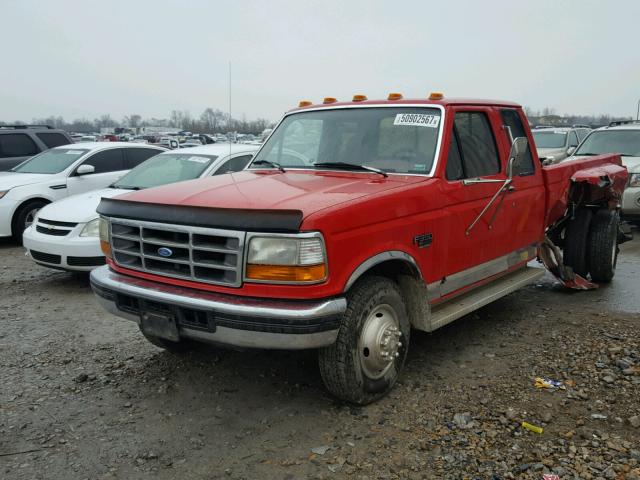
(356, 222)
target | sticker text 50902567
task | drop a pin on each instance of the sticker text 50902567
(417, 120)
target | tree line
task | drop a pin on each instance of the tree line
(210, 121)
(549, 115)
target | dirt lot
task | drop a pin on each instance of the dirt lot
(82, 395)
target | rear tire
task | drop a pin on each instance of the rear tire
(23, 218)
(575, 253)
(360, 367)
(603, 245)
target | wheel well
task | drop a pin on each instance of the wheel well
(26, 202)
(412, 288)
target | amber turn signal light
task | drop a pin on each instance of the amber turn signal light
(394, 96)
(286, 273)
(436, 96)
(304, 103)
(359, 98)
(329, 100)
(106, 249)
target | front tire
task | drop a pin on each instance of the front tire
(369, 353)
(603, 245)
(24, 217)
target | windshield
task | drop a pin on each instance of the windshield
(399, 140)
(550, 139)
(624, 142)
(165, 168)
(51, 161)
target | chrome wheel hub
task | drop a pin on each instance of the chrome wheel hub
(379, 342)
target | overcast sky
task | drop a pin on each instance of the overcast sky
(86, 58)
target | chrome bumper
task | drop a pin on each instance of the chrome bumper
(236, 321)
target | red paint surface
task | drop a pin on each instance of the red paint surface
(363, 214)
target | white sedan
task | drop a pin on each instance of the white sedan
(60, 172)
(65, 233)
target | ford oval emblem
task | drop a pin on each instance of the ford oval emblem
(165, 252)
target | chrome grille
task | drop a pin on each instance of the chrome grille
(53, 227)
(206, 255)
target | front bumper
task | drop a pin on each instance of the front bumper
(223, 319)
(71, 252)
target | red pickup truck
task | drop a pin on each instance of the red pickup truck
(356, 222)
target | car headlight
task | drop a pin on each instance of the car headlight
(286, 259)
(91, 229)
(103, 233)
(634, 180)
(3, 193)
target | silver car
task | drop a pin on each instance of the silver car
(556, 144)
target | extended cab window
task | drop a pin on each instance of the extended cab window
(393, 139)
(473, 151)
(512, 120)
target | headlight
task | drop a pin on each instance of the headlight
(3, 193)
(286, 259)
(634, 180)
(91, 229)
(103, 231)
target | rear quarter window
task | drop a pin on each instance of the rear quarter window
(53, 139)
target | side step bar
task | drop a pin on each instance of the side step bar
(457, 307)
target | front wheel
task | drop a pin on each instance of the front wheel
(603, 245)
(369, 353)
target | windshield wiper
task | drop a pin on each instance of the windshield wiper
(124, 187)
(586, 154)
(350, 166)
(267, 162)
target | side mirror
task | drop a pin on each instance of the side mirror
(85, 169)
(516, 155)
(173, 144)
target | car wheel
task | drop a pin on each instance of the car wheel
(603, 245)
(24, 217)
(576, 236)
(370, 350)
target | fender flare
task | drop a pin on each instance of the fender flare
(380, 258)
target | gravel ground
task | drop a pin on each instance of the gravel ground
(83, 395)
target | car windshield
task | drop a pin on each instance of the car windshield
(165, 168)
(392, 139)
(624, 142)
(51, 161)
(550, 139)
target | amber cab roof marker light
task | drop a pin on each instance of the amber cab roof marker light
(329, 100)
(359, 98)
(305, 103)
(436, 96)
(394, 96)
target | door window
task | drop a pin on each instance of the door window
(573, 139)
(511, 119)
(105, 161)
(235, 164)
(53, 139)
(135, 156)
(475, 145)
(17, 145)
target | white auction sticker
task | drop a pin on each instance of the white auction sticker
(417, 120)
(198, 159)
(73, 152)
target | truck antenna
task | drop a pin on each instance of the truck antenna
(230, 105)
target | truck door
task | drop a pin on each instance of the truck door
(524, 204)
(473, 253)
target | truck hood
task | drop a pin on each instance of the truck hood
(78, 208)
(304, 191)
(12, 179)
